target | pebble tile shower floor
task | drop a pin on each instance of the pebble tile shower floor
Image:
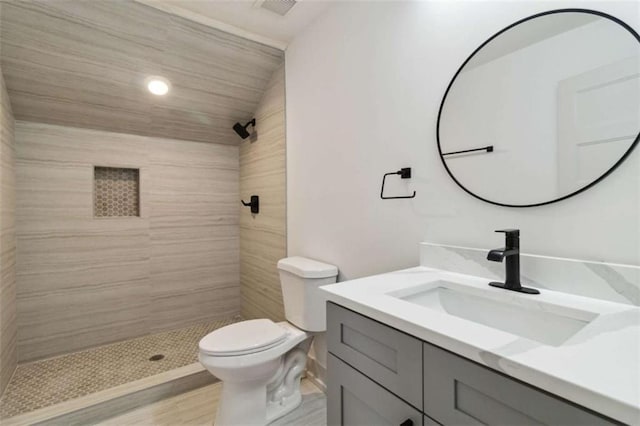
(51, 381)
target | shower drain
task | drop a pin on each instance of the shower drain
(157, 357)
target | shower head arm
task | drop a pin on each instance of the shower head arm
(250, 123)
(242, 130)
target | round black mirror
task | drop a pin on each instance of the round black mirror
(544, 109)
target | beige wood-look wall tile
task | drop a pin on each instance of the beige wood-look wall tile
(82, 286)
(8, 326)
(54, 190)
(81, 63)
(84, 281)
(261, 291)
(181, 266)
(263, 236)
(66, 320)
(173, 152)
(194, 306)
(68, 259)
(44, 142)
(194, 233)
(84, 64)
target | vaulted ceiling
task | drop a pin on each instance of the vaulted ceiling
(84, 63)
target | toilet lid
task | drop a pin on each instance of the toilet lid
(243, 338)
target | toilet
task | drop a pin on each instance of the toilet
(260, 362)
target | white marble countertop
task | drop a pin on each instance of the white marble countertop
(598, 367)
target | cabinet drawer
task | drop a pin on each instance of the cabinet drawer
(388, 356)
(460, 392)
(355, 400)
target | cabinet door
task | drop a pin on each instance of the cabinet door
(386, 355)
(355, 400)
(460, 392)
(428, 421)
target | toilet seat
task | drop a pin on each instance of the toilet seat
(243, 338)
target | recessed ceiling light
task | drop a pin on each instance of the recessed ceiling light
(158, 85)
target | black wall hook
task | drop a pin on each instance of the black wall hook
(254, 204)
(405, 173)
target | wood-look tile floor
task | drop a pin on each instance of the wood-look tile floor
(198, 407)
(51, 381)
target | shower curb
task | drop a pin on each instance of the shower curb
(108, 403)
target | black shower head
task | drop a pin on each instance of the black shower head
(242, 130)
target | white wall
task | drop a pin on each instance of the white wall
(364, 84)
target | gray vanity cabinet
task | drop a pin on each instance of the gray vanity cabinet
(378, 375)
(354, 399)
(387, 356)
(460, 392)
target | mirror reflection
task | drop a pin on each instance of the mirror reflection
(549, 105)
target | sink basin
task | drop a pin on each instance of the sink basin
(543, 322)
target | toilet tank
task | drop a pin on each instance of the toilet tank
(304, 304)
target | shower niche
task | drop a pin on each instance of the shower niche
(116, 192)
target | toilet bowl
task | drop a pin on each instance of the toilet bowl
(262, 381)
(260, 362)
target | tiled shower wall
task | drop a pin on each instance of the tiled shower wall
(84, 281)
(263, 237)
(7, 241)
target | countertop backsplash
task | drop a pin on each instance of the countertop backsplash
(606, 281)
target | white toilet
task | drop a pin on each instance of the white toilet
(260, 362)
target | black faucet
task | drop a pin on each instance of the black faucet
(511, 251)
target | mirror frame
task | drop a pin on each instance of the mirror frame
(453, 80)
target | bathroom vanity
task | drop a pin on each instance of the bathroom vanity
(374, 369)
(427, 346)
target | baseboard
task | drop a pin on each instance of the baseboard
(316, 374)
(103, 405)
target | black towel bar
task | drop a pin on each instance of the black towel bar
(484, 148)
